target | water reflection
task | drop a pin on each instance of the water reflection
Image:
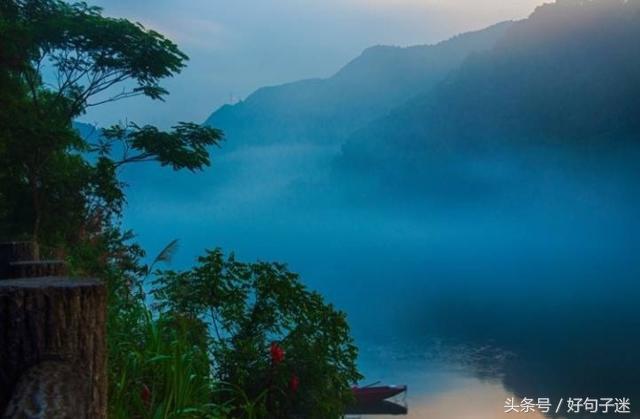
(445, 380)
(474, 399)
(486, 355)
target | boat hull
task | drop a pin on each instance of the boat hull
(368, 395)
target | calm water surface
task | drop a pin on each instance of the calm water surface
(528, 288)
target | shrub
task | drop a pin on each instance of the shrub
(282, 348)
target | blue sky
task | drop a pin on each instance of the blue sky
(236, 46)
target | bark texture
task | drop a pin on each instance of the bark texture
(52, 342)
(35, 269)
(49, 391)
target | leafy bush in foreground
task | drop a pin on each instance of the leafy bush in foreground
(280, 345)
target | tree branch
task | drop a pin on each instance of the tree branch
(139, 158)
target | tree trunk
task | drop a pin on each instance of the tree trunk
(53, 348)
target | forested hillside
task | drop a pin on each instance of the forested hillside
(327, 110)
(567, 78)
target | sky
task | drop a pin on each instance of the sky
(237, 46)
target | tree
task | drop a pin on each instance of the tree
(59, 189)
(270, 337)
(57, 60)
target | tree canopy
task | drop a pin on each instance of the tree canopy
(58, 60)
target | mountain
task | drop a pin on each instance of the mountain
(567, 78)
(87, 131)
(327, 110)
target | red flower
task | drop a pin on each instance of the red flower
(294, 383)
(145, 395)
(277, 353)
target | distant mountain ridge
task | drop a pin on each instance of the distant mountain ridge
(328, 110)
(462, 118)
(568, 77)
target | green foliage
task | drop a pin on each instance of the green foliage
(162, 371)
(206, 350)
(91, 53)
(204, 353)
(246, 307)
(53, 183)
(183, 148)
(158, 365)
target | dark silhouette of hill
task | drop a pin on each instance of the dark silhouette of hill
(566, 78)
(327, 110)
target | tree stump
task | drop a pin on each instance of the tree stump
(20, 260)
(52, 342)
(37, 268)
(13, 252)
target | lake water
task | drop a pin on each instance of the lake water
(529, 290)
(594, 356)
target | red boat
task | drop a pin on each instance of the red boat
(369, 395)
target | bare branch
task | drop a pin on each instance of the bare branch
(119, 96)
(139, 158)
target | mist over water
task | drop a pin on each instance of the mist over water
(525, 283)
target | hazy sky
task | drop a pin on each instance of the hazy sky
(236, 46)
